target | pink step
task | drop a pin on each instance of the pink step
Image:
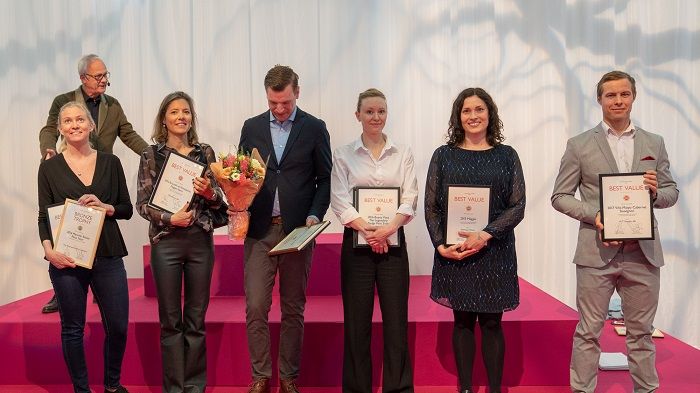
(227, 278)
(538, 334)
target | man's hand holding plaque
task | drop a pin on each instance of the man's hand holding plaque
(626, 207)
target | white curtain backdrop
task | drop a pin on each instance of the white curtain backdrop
(540, 59)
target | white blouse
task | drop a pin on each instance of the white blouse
(354, 165)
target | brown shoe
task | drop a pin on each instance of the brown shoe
(288, 386)
(261, 385)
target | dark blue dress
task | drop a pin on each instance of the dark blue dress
(488, 280)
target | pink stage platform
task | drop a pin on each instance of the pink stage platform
(538, 336)
(227, 278)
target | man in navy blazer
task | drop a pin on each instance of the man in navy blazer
(630, 267)
(296, 192)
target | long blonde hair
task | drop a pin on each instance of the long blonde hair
(73, 104)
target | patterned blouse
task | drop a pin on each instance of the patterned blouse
(149, 169)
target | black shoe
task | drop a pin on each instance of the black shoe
(51, 306)
(120, 389)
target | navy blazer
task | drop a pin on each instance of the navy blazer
(302, 175)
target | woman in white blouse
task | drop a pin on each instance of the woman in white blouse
(373, 160)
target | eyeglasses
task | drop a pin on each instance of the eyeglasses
(98, 78)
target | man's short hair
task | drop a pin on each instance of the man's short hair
(85, 61)
(279, 77)
(613, 76)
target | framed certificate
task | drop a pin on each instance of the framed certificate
(79, 232)
(626, 208)
(299, 238)
(468, 208)
(174, 185)
(54, 213)
(377, 206)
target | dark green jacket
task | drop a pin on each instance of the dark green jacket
(112, 124)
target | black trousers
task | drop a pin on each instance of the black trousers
(184, 256)
(362, 271)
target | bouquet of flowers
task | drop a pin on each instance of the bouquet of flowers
(240, 176)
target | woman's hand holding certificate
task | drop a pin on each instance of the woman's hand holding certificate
(78, 234)
(91, 200)
(473, 243)
(177, 183)
(468, 210)
(57, 259)
(182, 217)
(380, 222)
(474, 240)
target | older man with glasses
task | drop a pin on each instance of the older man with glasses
(109, 117)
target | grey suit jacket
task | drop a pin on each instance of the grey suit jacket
(112, 123)
(588, 155)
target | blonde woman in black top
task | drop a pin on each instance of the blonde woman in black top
(92, 178)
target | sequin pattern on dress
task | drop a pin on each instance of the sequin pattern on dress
(488, 280)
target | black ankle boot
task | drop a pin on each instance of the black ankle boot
(120, 389)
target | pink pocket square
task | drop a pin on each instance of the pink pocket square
(647, 158)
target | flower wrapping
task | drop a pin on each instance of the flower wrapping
(240, 176)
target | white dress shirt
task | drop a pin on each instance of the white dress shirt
(622, 146)
(354, 165)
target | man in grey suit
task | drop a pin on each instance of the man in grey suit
(632, 268)
(107, 113)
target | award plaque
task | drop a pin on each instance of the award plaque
(468, 208)
(79, 232)
(298, 238)
(626, 208)
(377, 206)
(174, 185)
(53, 215)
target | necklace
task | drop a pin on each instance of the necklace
(78, 169)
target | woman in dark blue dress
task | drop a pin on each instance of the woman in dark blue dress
(477, 278)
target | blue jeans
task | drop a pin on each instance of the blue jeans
(109, 286)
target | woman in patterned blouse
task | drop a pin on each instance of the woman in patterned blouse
(182, 248)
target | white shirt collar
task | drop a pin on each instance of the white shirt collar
(358, 145)
(630, 129)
